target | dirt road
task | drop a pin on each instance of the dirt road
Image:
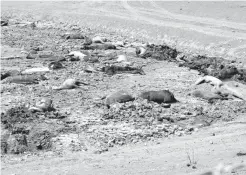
(167, 156)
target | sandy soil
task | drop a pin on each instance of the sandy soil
(168, 156)
(194, 27)
(188, 26)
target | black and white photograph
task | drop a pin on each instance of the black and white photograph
(139, 87)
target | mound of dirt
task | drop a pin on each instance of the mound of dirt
(214, 66)
(26, 130)
(160, 52)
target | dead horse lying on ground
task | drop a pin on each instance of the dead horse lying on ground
(118, 97)
(99, 47)
(111, 70)
(162, 96)
(25, 79)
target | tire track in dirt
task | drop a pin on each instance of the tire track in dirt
(202, 20)
(208, 26)
(209, 21)
(184, 26)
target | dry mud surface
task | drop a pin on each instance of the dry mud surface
(84, 137)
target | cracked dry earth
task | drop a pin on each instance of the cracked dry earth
(85, 140)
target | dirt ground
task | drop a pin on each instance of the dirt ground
(81, 144)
